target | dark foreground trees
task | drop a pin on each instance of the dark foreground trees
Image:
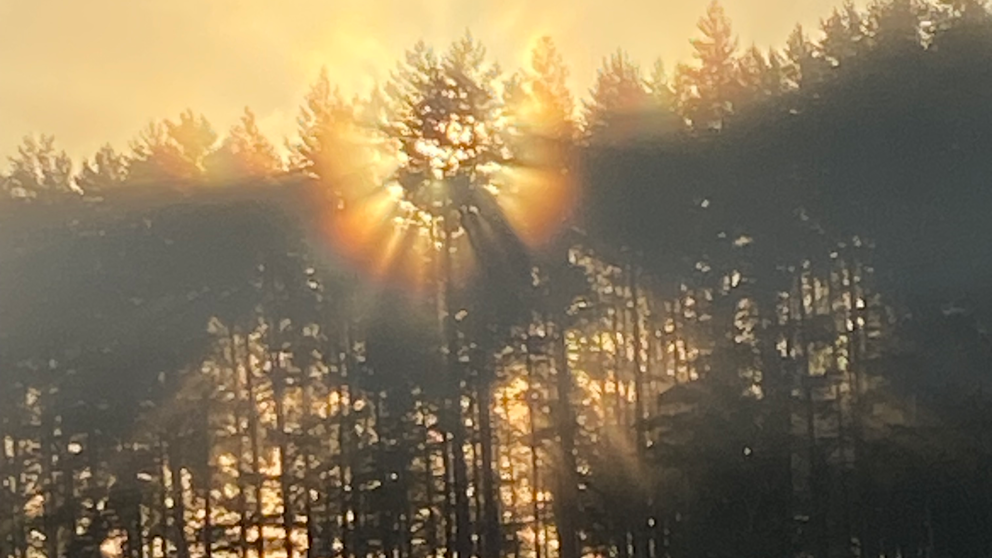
(764, 332)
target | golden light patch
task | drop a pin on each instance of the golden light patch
(410, 230)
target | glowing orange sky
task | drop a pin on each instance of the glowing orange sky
(97, 70)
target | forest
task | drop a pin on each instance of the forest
(735, 308)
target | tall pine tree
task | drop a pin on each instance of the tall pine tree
(106, 171)
(709, 89)
(245, 152)
(618, 98)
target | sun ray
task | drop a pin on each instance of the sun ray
(395, 198)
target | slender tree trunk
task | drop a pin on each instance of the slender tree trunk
(206, 533)
(431, 522)
(208, 525)
(640, 526)
(616, 334)
(255, 447)
(450, 523)
(639, 370)
(454, 424)
(308, 467)
(20, 534)
(511, 471)
(7, 547)
(479, 495)
(856, 338)
(6, 542)
(844, 434)
(346, 431)
(242, 502)
(490, 513)
(138, 542)
(819, 513)
(161, 495)
(279, 382)
(285, 480)
(568, 485)
(463, 524)
(178, 501)
(777, 389)
(535, 463)
(70, 500)
(348, 442)
(48, 485)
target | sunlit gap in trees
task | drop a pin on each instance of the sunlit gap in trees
(390, 222)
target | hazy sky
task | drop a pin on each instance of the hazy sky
(93, 71)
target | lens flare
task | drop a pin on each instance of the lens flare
(394, 234)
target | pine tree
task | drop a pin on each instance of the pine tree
(844, 38)
(245, 152)
(711, 87)
(152, 156)
(664, 117)
(172, 151)
(39, 170)
(618, 98)
(774, 77)
(896, 25)
(660, 87)
(324, 117)
(538, 98)
(442, 117)
(761, 76)
(107, 171)
(194, 137)
(962, 24)
(804, 67)
(753, 68)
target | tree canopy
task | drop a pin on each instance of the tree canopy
(738, 309)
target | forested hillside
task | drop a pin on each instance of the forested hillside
(740, 308)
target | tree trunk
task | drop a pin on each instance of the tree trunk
(535, 463)
(431, 521)
(47, 486)
(818, 515)
(490, 513)
(454, 424)
(308, 468)
(279, 383)
(639, 533)
(178, 502)
(567, 502)
(254, 444)
(242, 502)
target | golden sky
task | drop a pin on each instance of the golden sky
(93, 71)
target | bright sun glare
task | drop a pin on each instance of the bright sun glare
(392, 231)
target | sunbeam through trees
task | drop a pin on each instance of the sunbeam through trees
(739, 308)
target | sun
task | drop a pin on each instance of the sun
(402, 194)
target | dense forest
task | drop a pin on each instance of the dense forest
(737, 309)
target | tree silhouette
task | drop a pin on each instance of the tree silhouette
(245, 153)
(767, 341)
(107, 171)
(176, 151)
(321, 115)
(617, 98)
(39, 171)
(708, 90)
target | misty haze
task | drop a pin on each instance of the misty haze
(388, 279)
